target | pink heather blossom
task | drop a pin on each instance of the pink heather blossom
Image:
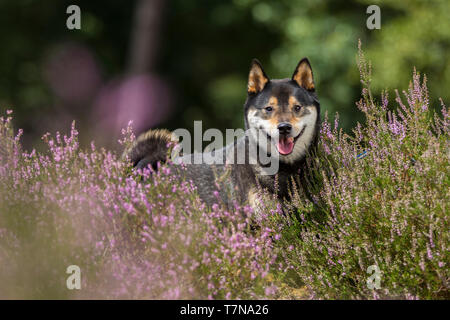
(145, 234)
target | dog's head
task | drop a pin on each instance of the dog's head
(286, 110)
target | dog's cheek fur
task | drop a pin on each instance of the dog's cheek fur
(305, 140)
(256, 122)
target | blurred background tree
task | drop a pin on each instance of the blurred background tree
(168, 63)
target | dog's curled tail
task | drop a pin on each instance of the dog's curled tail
(150, 148)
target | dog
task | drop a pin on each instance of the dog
(284, 111)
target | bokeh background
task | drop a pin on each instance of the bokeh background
(167, 63)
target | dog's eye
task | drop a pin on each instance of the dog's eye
(297, 108)
(269, 109)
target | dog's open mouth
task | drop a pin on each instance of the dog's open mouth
(285, 144)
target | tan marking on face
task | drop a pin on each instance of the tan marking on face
(293, 119)
(273, 102)
(278, 117)
(276, 113)
(294, 115)
(292, 102)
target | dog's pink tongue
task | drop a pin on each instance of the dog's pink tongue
(285, 145)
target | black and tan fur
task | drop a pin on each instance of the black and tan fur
(287, 110)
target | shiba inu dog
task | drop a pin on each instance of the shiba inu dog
(285, 111)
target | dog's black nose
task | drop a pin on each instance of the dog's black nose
(284, 128)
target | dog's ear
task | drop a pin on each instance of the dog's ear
(257, 78)
(303, 75)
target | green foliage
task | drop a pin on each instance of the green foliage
(206, 48)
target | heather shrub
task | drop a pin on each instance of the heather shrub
(133, 234)
(375, 197)
(378, 197)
